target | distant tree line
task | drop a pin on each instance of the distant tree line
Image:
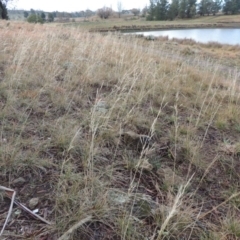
(231, 7)
(106, 12)
(164, 10)
(38, 16)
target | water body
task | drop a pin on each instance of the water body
(221, 35)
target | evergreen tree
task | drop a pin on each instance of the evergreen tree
(50, 17)
(25, 14)
(151, 11)
(43, 16)
(209, 4)
(227, 6)
(191, 8)
(216, 6)
(183, 8)
(3, 11)
(55, 14)
(231, 6)
(235, 6)
(162, 10)
(204, 7)
(173, 9)
(32, 11)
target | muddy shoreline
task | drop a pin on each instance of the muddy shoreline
(135, 28)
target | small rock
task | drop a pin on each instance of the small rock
(33, 203)
(101, 106)
(19, 182)
(68, 65)
(118, 197)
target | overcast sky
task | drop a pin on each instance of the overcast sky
(76, 5)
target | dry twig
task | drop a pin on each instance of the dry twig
(12, 197)
(67, 234)
(10, 193)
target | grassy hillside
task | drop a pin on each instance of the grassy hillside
(115, 139)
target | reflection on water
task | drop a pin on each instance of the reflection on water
(221, 35)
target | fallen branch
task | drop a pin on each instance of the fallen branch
(13, 194)
(10, 193)
(31, 212)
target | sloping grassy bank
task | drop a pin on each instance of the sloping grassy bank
(181, 25)
(122, 142)
(95, 24)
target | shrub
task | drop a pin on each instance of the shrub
(50, 17)
(104, 12)
(34, 18)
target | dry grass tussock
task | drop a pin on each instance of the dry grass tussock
(116, 141)
(214, 52)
